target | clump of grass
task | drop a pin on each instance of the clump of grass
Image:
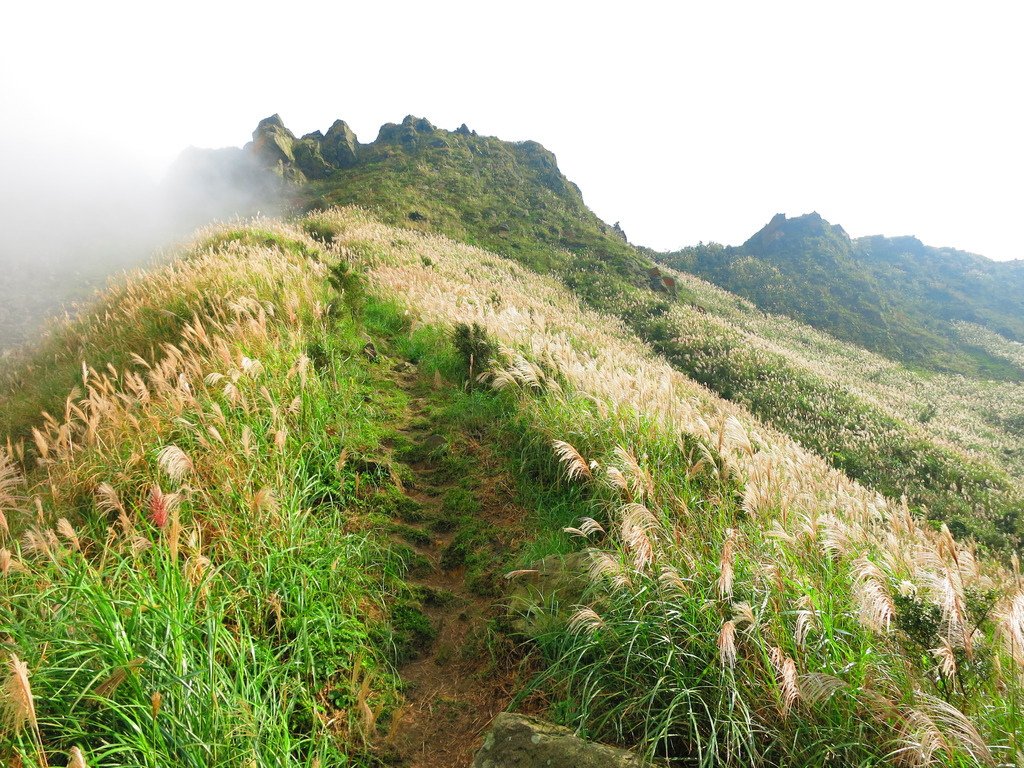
(474, 347)
(459, 502)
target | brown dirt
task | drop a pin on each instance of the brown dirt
(455, 687)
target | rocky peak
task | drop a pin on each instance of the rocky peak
(271, 124)
(339, 146)
(809, 225)
(409, 132)
(274, 147)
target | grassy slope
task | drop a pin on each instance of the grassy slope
(208, 580)
(719, 537)
(511, 198)
(894, 296)
(744, 603)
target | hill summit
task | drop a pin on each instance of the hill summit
(507, 196)
(892, 295)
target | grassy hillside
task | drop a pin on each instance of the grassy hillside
(897, 430)
(894, 296)
(203, 561)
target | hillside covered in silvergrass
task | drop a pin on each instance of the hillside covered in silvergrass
(199, 562)
(949, 442)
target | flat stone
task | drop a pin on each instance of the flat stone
(518, 741)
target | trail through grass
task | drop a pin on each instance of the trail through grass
(453, 686)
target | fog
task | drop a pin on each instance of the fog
(72, 216)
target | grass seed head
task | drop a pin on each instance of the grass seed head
(727, 644)
(576, 466)
(17, 706)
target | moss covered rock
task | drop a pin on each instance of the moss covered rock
(517, 741)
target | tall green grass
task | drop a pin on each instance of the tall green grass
(234, 608)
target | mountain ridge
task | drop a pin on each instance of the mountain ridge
(511, 199)
(892, 295)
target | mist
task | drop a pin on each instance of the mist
(71, 217)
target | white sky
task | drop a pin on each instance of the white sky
(684, 121)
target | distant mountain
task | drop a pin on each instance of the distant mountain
(892, 295)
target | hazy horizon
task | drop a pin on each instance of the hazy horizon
(686, 124)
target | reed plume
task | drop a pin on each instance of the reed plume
(17, 706)
(575, 465)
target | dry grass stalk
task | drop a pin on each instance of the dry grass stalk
(265, 502)
(785, 671)
(9, 564)
(817, 687)
(605, 567)
(935, 727)
(946, 659)
(670, 579)
(585, 619)
(575, 465)
(108, 500)
(587, 528)
(174, 462)
(65, 529)
(17, 706)
(725, 565)
(639, 481)
(636, 531)
(109, 686)
(727, 644)
(743, 615)
(10, 483)
(872, 594)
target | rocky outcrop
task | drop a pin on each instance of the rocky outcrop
(517, 741)
(409, 131)
(274, 147)
(314, 156)
(310, 160)
(543, 161)
(340, 147)
(272, 141)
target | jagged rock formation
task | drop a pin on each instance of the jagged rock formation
(339, 147)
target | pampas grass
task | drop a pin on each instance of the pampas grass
(17, 706)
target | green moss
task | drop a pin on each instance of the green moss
(458, 502)
(413, 632)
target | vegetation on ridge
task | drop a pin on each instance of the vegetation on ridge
(512, 199)
(894, 296)
(208, 552)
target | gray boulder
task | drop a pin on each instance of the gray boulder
(517, 741)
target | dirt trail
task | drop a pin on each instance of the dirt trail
(453, 689)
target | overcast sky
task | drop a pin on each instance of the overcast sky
(688, 123)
